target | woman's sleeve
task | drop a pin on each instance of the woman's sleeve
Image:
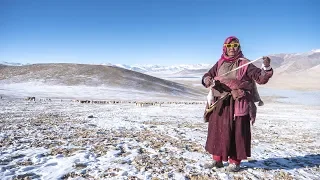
(261, 76)
(212, 73)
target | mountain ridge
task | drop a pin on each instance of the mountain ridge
(69, 74)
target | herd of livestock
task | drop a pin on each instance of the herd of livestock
(137, 103)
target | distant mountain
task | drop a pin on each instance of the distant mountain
(164, 69)
(299, 71)
(290, 70)
(10, 63)
(93, 75)
(294, 62)
(283, 63)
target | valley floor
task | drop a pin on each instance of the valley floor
(58, 140)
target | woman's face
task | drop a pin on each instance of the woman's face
(232, 48)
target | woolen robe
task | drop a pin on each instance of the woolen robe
(229, 135)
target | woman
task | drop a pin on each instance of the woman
(229, 135)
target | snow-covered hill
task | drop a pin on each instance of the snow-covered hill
(161, 68)
(10, 63)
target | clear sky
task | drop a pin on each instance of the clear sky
(161, 32)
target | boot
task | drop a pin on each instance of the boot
(233, 167)
(213, 164)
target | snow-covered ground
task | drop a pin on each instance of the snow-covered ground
(58, 140)
(41, 90)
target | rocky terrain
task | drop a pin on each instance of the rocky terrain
(67, 140)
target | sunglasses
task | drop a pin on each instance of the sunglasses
(232, 45)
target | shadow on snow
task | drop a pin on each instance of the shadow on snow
(286, 163)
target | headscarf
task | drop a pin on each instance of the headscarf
(237, 55)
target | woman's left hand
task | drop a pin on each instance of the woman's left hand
(266, 61)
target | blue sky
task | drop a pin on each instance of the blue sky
(153, 32)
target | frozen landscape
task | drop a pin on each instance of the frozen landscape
(113, 89)
(69, 140)
(56, 137)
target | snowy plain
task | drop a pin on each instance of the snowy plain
(60, 139)
(41, 90)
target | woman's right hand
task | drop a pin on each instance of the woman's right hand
(208, 81)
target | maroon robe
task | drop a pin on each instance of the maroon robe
(230, 135)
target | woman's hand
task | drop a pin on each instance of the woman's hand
(208, 81)
(266, 61)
